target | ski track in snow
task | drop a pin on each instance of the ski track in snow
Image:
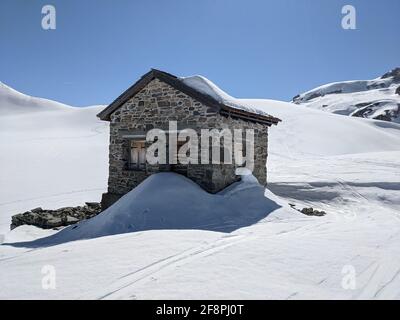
(144, 274)
(125, 284)
(347, 167)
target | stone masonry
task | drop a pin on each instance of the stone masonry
(153, 107)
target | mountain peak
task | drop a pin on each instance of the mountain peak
(374, 99)
(395, 73)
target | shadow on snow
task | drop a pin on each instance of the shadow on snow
(173, 202)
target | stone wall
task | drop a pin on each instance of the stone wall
(48, 219)
(153, 107)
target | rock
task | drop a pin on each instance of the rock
(384, 117)
(308, 211)
(72, 220)
(398, 90)
(93, 205)
(312, 212)
(52, 219)
(395, 73)
(315, 95)
(367, 110)
(296, 98)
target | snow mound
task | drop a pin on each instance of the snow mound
(14, 102)
(374, 99)
(171, 201)
(207, 87)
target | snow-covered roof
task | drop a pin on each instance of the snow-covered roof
(207, 87)
(199, 88)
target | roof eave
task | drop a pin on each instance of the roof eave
(173, 81)
(249, 116)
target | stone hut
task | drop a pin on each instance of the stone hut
(159, 98)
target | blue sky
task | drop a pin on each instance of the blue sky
(251, 49)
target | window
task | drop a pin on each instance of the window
(137, 155)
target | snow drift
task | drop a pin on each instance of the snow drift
(171, 201)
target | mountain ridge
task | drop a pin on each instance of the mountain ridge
(13, 102)
(377, 99)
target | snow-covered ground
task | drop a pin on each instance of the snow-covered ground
(51, 155)
(219, 247)
(374, 99)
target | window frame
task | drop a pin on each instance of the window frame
(140, 164)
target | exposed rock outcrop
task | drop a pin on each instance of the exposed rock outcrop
(48, 219)
(373, 99)
(395, 74)
(377, 111)
(312, 212)
(309, 211)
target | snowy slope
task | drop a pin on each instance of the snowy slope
(375, 99)
(52, 155)
(347, 166)
(307, 132)
(13, 101)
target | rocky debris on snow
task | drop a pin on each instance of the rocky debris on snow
(381, 110)
(309, 211)
(312, 212)
(49, 219)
